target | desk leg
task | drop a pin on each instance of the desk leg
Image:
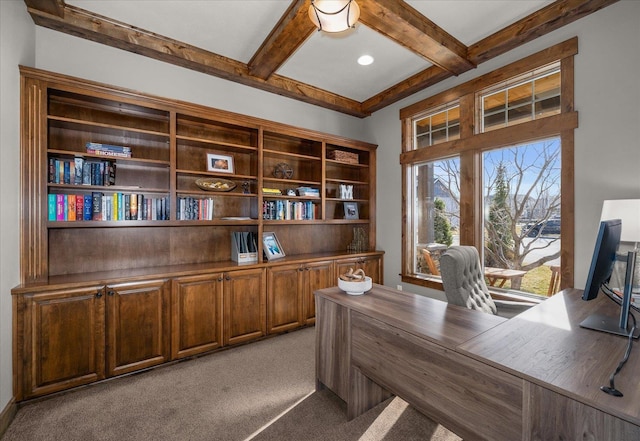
(363, 394)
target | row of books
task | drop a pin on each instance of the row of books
(289, 210)
(194, 208)
(98, 206)
(78, 171)
(96, 148)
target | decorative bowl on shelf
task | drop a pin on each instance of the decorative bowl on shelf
(215, 184)
(355, 288)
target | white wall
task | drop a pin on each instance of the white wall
(607, 142)
(17, 43)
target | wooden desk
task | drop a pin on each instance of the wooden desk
(501, 275)
(535, 377)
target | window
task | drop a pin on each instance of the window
(532, 96)
(438, 126)
(487, 167)
(521, 212)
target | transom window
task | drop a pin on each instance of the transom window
(438, 126)
(537, 95)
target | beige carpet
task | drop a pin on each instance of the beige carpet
(263, 391)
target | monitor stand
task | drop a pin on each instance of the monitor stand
(618, 326)
(603, 323)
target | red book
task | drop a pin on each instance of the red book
(79, 207)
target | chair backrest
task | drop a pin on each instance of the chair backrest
(463, 279)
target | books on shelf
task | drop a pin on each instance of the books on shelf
(271, 191)
(79, 171)
(190, 208)
(96, 148)
(289, 210)
(244, 246)
(308, 192)
(99, 206)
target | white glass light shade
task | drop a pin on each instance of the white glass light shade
(334, 15)
(628, 210)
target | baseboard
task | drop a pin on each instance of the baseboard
(7, 415)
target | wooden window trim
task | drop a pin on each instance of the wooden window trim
(471, 145)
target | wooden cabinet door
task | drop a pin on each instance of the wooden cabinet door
(318, 275)
(372, 266)
(196, 314)
(284, 297)
(61, 340)
(137, 326)
(244, 305)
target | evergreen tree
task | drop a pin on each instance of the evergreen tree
(500, 246)
(441, 225)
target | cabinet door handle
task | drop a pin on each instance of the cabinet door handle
(301, 269)
(111, 292)
(227, 277)
(99, 294)
(220, 279)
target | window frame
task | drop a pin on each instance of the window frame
(470, 146)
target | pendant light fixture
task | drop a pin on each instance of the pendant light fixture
(334, 15)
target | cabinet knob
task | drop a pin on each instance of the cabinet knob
(301, 269)
(111, 292)
(220, 279)
(99, 294)
(227, 277)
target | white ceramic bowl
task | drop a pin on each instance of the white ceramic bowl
(355, 288)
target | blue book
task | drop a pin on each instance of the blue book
(87, 208)
(52, 207)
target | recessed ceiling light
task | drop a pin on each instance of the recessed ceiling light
(365, 60)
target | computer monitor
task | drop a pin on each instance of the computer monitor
(602, 262)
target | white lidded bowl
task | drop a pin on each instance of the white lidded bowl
(355, 288)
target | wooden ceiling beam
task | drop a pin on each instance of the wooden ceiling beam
(554, 16)
(85, 24)
(537, 24)
(407, 27)
(286, 37)
(52, 7)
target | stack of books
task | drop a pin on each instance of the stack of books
(97, 148)
(78, 171)
(308, 192)
(99, 206)
(271, 191)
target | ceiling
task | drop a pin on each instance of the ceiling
(272, 45)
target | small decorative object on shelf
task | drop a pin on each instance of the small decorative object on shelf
(283, 171)
(219, 163)
(351, 210)
(271, 246)
(246, 187)
(342, 156)
(346, 191)
(215, 184)
(360, 241)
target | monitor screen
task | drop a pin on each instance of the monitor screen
(604, 256)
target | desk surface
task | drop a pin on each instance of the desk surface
(547, 346)
(433, 320)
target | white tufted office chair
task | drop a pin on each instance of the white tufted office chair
(464, 284)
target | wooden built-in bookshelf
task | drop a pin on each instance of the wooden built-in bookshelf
(179, 268)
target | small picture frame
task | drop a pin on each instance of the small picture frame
(351, 210)
(271, 246)
(220, 163)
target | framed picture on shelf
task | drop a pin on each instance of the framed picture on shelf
(219, 163)
(271, 246)
(351, 210)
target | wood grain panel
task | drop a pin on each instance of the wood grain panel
(423, 374)
(245, 307)
(555, 417)
(196, 314)
(284, 298)
(333, 347)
